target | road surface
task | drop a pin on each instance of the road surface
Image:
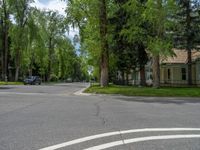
(50, 117)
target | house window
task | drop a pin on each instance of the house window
(168, 74)
(183, 72)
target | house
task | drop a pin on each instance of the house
(173, 70)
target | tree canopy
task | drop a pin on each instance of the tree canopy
(36, 42)
(116, 38)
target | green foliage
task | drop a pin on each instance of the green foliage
(187, 17)
(11, 83)
(39, 45)
(150, 21)
(160, 47)
(53, 78)
(83, 14)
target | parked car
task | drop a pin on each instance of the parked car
(32, 80)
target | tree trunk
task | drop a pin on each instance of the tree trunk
(142, 76)
(5, 28)
(17, 73)
(6, 54)
(2, 49)
(3, 58)
(127, 80)
(123, 77)
(17, 65)
(189, 66)
(50, 59)
(189, 53)
(104, 74)
(156, 71)
(104, 44)
(31, 64)
(30, 70)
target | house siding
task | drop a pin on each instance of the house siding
(176, 73)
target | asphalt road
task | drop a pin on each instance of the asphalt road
(39, 117)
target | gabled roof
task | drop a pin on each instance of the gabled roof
(181, 57)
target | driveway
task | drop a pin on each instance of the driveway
(53, 117)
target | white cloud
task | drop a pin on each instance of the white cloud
(55, 5)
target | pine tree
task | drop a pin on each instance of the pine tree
(130, 54)
(188, 31)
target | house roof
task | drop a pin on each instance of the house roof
(181, 57)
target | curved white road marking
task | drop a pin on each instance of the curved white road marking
(88, 138)
(142, 139)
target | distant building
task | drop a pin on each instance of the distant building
(173, 70)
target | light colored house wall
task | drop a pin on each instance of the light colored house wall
(194, 74)
(176, 74)
(175, 71)
(198, 72)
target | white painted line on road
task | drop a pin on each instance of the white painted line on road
(142, 139)
(88, 138)
(54, 147)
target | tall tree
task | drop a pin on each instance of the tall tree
(91, 19)
(55, 28)
(188, 31)
(130, 52)
(151, 25)
(19, 32)
(5, 23)
(104, 58)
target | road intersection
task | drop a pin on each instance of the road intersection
(51, 117)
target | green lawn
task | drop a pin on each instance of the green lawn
(10, 83)
(145, 91)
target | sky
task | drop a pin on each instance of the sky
(56, 5)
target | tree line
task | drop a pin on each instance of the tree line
(35, 42)
(115, 35)
(122, 35)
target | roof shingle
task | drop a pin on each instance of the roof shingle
(181, 57)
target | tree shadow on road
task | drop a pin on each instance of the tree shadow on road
(6, 88)
(161, 100)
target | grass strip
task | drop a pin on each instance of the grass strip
(10, 83)
(145, 91)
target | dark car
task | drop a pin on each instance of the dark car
(32, 80)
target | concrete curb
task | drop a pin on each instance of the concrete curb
(80, 92)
